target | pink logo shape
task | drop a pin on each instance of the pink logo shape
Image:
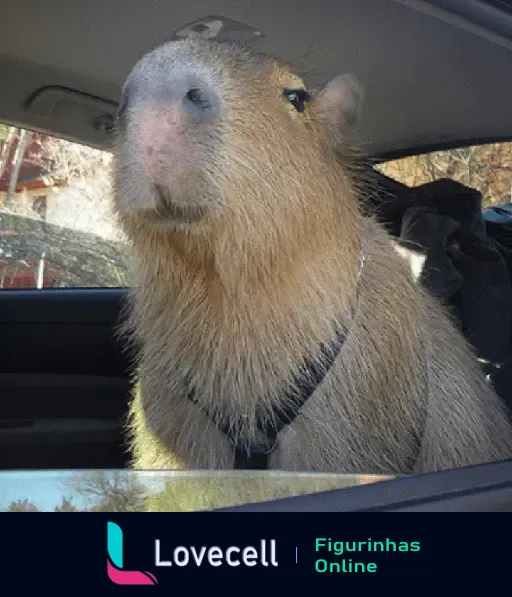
(129, 577)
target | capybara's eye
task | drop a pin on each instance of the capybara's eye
(297, 98)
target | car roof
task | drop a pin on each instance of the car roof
(435, 72)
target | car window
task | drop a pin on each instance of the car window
(57, 228)
(487, 168)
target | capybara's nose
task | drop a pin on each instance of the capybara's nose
(166, 111)
(187, 94)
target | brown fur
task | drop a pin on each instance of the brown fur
(236, 300)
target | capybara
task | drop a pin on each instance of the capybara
(276, 325)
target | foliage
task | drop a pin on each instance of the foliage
(73, 162)
(5, 132)
(109, 491)
(22, 506)
(185, 491)
(7, 135)
(65, 506)
(193, 494)
(487, 168)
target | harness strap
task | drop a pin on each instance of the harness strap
(255, 456)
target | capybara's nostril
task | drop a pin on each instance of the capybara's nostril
(200, 102)
(197, 97)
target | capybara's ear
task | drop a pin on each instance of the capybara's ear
(339, 103)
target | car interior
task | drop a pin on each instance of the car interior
(436, 75)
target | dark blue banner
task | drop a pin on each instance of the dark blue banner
(114, 552)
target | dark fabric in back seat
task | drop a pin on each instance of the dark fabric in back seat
(467, 266)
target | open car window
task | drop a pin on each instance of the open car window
(57, 229)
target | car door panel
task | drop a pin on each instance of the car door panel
(64, 379)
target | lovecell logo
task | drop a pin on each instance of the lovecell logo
(115, 570)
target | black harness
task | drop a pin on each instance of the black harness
(256, 456)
